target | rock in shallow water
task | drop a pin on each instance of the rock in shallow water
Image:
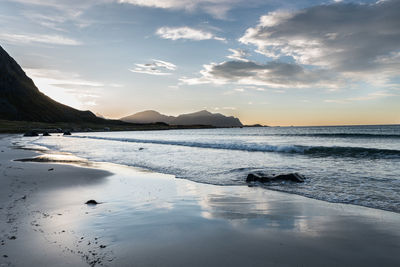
(31, 133)
(293, 177)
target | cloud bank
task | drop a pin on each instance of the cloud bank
(342, 37)
(330, 45)
(272, 74)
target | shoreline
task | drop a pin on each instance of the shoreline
(149, 218)
(284, 189)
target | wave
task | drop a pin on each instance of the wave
(330, 135)
(345, 135)
(319, 151)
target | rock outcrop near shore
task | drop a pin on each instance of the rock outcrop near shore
(292, 177)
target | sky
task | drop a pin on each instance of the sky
(265, 61)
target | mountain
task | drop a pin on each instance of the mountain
(148, 116)
(207, 118)
(21, 100)
(197, 118)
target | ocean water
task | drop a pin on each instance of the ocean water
(347, 164)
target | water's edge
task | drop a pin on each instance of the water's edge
(87, 163)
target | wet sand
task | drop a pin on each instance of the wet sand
(147, 218)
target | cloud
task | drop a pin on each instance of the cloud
(186, 33)
(61, 79)
(156, 67)
(370, 96)
(342, 37)
(73, 7)
(273, 74)
(37, 38)
(238, 54)
(57, 15)
(217, 8)
(46, 19)
(224, 108)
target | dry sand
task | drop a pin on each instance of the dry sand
(151, 219)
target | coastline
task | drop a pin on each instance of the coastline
(148, 218)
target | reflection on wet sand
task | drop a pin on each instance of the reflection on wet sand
(59, 158)
(153, 219)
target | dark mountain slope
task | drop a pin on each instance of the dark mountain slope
(21, 100)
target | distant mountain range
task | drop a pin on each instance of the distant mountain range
(197, 118)
(21, 100)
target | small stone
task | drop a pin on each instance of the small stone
(51, 169)
(103, 246)
(12, 237)
(91, 202)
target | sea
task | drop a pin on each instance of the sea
(345, 164)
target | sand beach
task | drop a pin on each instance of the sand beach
(150, 219)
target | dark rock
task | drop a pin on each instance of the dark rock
(141, 148)
(293, 177)
(12, 237)
(31, 133)
(67, 133)
(253, 177)
(5, 256)
(46, 134)
(92, 202)
(51, 169)
(103, 246)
